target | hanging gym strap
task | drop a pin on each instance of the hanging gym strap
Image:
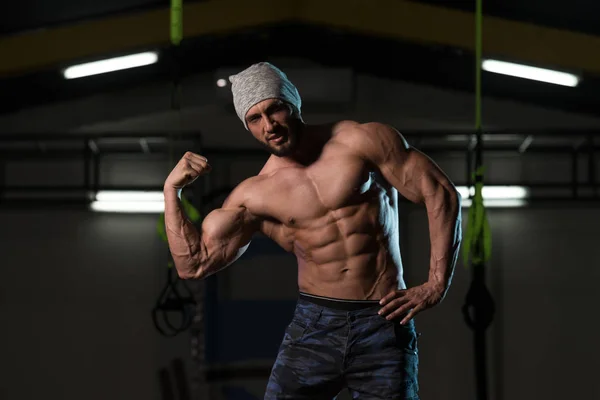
(479, 308)
(176, 297)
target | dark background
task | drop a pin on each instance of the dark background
(77, 287)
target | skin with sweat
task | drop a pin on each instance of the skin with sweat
(328, 194)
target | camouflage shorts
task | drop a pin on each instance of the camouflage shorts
(325, 350)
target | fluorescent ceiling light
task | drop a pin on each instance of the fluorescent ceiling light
(148, 207)
(529, 72)
(110, 65)
(497, 203)
(496, 196)
(133, 195)
(496, 192)
(129, 202)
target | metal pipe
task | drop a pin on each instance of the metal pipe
(83, 203)
(159, 187)
(591, 164)
(2, 178)
(575, 173)
(96, 173)
(80, 188)
(87, 157)
(525, 144)
(32, 136)
(21, 155)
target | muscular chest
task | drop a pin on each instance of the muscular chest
(305, 194)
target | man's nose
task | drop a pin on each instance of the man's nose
(268, 124)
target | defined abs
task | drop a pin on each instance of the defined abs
(362, 277)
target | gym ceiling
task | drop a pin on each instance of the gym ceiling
(429, 41)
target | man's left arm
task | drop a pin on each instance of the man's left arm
(420, 180)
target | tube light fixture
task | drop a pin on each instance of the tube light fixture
(153, 202)
(529, 72)
(496, 203)
(129, 202)
(496, 192)
(111, 65)
(496, 196)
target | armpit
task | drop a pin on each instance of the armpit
(277, 232)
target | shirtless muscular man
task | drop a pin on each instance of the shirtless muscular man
(329, 194)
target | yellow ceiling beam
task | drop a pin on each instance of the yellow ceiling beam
(404, 20)
(48, 47)
(431, 24)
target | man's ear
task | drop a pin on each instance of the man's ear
(294, 112)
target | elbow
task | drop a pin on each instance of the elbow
(194, 264)
(196, 275)
(190, 270)
(455, 199)
(452, 199)
(200, 270)
(187, 275)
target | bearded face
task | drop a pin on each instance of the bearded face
(272, 123)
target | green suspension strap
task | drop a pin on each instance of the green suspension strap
(477, 243)
(176, 22)
(479, 307)
(172, 300)
(176, 35)
(196, 301)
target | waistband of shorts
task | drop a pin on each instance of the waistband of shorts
(331, 303)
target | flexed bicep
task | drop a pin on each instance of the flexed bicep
(226, 232)
(225, 235)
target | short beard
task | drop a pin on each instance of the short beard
(293, 135)
(283, 151)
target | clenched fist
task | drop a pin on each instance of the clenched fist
(187, 170)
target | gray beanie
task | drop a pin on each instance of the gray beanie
(260, 82)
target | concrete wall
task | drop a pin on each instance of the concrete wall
(77, 288)
(76, 296)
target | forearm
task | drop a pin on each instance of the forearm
(184, 239)
(445, 230)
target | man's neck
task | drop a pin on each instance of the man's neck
(310, 143)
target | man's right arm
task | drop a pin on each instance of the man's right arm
(224, 235)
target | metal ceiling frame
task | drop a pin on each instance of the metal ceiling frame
(582, 146)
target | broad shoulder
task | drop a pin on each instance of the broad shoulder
(370, 140)
(244, 191)
(254, 190)
(352, 132)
